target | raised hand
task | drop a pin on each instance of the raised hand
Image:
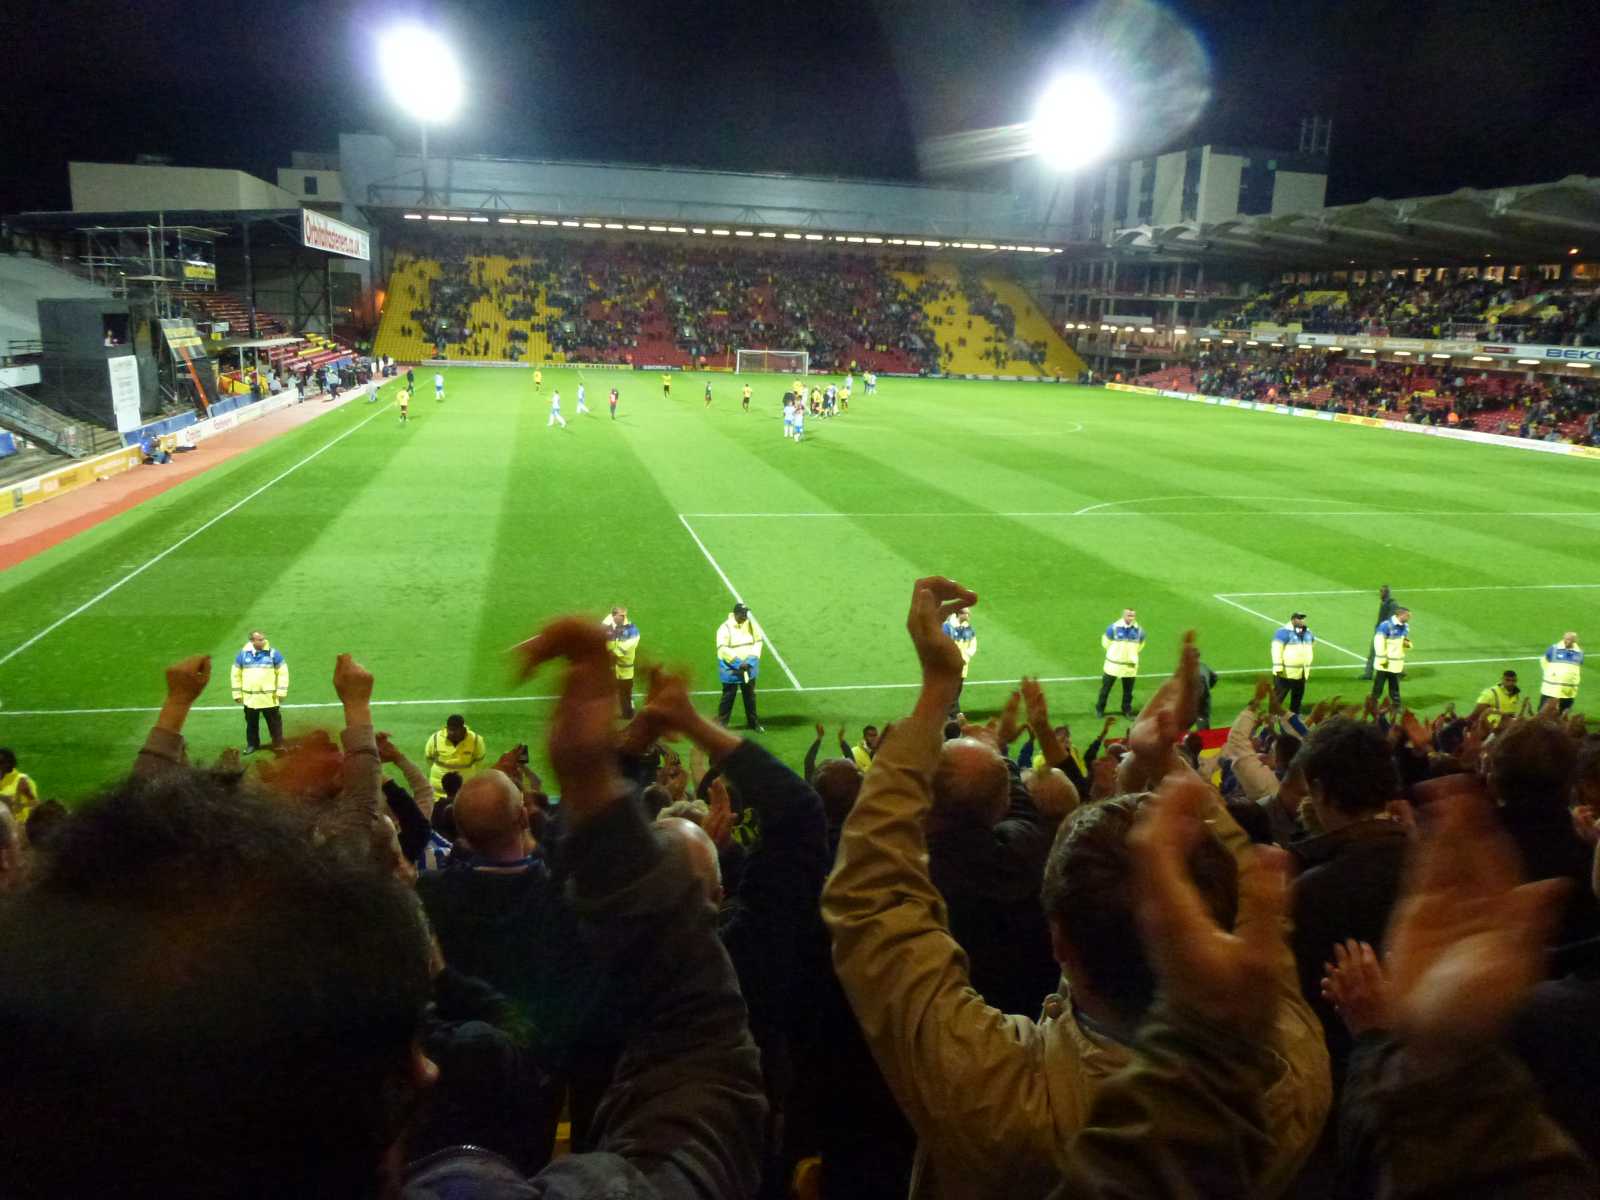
(934, 600)
(1415, 733)
(1465, 941)
(1010, 727)
(720, 822)
(1169, 712)
(581, 748)
(1224, 977)
(352, 683)
(387, 751)
(1354, 983)
(187, 678)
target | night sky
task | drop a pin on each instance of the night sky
(1425, 95)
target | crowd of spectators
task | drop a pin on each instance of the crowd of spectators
(626, 301)
(1350, 955)
(1531, 310)
(1516, 404)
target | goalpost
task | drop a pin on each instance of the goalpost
(782, 362)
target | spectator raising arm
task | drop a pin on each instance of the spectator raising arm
(164, 747)
(966, 1075)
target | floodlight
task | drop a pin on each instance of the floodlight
(421, 73)
(1075, 122)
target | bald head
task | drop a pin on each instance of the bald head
(971, 784)
(700, 850)
(1052, 793)
(488, 813)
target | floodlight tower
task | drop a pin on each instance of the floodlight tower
(1074, 126)
(424, 79)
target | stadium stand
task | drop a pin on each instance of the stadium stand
(559, 300)
(313, 352)
(1528, 310)
(1514, 403)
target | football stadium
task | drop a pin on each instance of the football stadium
(1096, 616)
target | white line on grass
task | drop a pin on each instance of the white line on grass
(1360, 658)
(463, 701)
(1477, 587)
(738, 599)
(1584, 514)
(184, 540)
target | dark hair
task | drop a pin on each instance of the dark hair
(1532, 767)
(8, 761)
(45, 821)
(236, 1001)
(454, 720)
(837, 782)
(655, 798)
(1088, 890)
(450, 783)
(1350, 764)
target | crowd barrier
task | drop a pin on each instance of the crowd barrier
(1440, 431)
(186, 429)
(67, 479)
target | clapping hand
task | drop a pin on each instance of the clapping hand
(1354, 983)
(1224, 977)
(1466, 940)
(581, 748)
(934, 600)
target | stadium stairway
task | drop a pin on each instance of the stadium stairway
(1033, 326)
(950, 317)
(410, 287)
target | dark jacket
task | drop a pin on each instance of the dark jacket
(1476, 1129)
(1551, 850)
(683, 1116)
(990, 879)
(1556, 1033)
(1348, 883)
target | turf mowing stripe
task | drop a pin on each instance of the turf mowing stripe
(1360, 658)
(737, 599)
(837, 687)
(188, 537)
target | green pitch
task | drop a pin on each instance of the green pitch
(429, 549)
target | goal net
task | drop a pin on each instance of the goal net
(784, 362)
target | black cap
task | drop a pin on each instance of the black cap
(1297, 616)
(739, 610)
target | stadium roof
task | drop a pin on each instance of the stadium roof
(1539, 223)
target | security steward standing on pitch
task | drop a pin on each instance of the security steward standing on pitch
(260, 680)
(453, 748)
(1390, 641)
(1563, 668)
(1387, 607)
(1502, 700)
(1123, 642)
(622, 640)
(739, 644)
(1292, 649)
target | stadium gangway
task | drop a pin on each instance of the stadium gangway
(33, 420)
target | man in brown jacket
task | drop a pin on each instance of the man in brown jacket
(995, 1098)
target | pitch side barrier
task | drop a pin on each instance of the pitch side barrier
(1439, 431)
(188, 431)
